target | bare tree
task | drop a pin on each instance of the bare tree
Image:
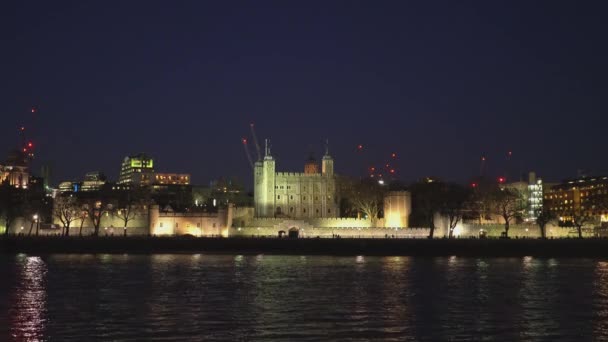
(82, 216)
(96, 209)
(66, 210)
(426, 202)
(12, 203)
(453, 203)
(368, 198)
(544, 216)
(509, 204)
(580, 217)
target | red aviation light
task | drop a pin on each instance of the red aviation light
(393, 155)
(501, 180)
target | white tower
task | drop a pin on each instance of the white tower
(264, 179)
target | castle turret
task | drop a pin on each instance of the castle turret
(264, 179)
(311, 166)
(327, 164)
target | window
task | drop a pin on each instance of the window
(291, 197)
(304, 198)
(161, 224)
(198, 225)
(278, 196)
(214, 225)
(329, 211)
(278, 210)
(304, 210)
(317, 211)
(291, 209)
(176, 225)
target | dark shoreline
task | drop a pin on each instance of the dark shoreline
(583, 248)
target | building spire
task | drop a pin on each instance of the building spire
(267, 154)
(326, 147)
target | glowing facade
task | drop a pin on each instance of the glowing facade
(137, 170)
(172, 178)
(15, 172)
(311, 194)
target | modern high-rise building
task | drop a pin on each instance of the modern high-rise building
(535, 197)
(581, 196)
(137, 170)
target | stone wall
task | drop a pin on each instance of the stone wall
(343, 232)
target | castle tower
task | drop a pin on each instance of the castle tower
(327, 164)
(264, 181)
(397, 209)
(311, 166)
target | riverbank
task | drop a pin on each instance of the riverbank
(413, 247)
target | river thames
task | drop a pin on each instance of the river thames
(169, 297)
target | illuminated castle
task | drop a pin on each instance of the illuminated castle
(311, 194)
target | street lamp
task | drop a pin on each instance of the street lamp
(35, 217)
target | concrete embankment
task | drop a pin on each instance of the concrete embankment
(312, 246)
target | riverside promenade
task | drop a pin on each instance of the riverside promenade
(593, 247)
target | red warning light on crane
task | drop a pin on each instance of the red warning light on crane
(30, 144)
(393, 155)
(359, 147)
(501, 180)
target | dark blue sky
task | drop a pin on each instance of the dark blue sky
(440, 83)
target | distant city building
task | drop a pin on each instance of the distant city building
(137, 170)
(535, 197)
(172, 178)
(68, 186)
(532, 192)
(585, 196)
(47, 174)
(311, 194)
(93, 181)
(15, 171)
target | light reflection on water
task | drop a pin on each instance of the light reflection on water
(28, 310)
(265, 297)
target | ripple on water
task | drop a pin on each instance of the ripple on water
(205, 297)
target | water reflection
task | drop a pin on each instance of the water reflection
(28, 314)
(600, 306)
(314, 298)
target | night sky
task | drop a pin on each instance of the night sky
(440, 83)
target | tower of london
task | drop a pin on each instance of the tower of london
(296, 195)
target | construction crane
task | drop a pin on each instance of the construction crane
(246, 147)
(255, 141)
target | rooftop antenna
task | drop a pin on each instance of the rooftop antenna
(482, 166)
(255, 141)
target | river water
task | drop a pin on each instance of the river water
(184, 297)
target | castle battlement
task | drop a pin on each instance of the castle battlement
(298, 174)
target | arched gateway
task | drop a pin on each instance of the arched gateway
(293, 233)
